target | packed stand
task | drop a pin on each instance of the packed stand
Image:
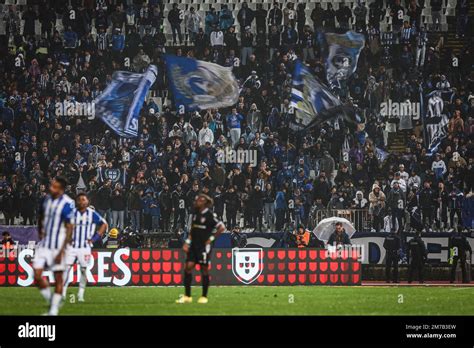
(149, 183)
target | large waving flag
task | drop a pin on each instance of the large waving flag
(312, 102)
(198, 85)
(309, 97)
(341, 54)
(120, 103)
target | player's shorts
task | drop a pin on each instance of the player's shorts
(82, 256)
(44, 259)
(200, 254)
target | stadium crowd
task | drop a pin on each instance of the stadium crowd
(149, 182)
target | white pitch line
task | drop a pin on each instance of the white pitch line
(463, 288)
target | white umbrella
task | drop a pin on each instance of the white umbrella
(327, 226)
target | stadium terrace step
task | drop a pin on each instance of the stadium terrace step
(452, 41)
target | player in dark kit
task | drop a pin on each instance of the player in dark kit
(205, 228)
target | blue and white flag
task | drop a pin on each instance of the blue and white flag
(199, 85)
(436, 132)
(120, 103)
(381, 154)
(435, 120)
(310, 99)
(342, 55)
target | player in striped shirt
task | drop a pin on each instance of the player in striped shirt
(86, 221)
(55, 230)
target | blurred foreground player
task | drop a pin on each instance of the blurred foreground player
(205, 228)
(86, 221)
(55, 226)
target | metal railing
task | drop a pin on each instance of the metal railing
(359, 218)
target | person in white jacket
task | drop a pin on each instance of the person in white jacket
(414, 180)
(192, 23)
(439, 167)
(388, 224)
(217, 38)
(205, 135)
(403, 174)
(401, 182)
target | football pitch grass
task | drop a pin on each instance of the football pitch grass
(251, 300)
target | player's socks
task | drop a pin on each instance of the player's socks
(65, 289)
(46, 293)
(66, 281)
(205, 285)
(55, 301)
(80, 295)
(188, 277)
(82, 285)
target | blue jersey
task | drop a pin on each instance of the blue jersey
(85, 224)
(118, 42)
(233, 121)
(56, 213)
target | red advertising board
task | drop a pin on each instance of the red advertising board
(164, 267)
